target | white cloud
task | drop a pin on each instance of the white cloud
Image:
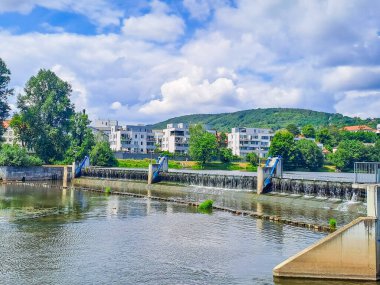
(308, 54)
(158, 25)
(116, 105)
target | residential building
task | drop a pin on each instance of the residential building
(361, 128)
(378, 129)
(132, 139)
(103, 127)
(246, 140)
(176, 138)
(9, 134)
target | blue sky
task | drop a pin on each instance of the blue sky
(148, 60)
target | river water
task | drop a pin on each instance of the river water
(53, 236)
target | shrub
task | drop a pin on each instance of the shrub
(206, 205)
(332, 224)
(14, 155)
(107, 190)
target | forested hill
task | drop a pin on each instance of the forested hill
(274, 118)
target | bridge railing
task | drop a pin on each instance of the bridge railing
(367, 172)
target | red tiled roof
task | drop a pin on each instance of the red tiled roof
(358, 128)
(6, 124)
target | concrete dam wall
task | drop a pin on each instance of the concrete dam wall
(323, 189)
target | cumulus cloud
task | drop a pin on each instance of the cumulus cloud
(158, 25)
(323, 55)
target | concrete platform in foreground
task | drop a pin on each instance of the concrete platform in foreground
(351, 252)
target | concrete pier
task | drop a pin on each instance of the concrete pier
(352, 252)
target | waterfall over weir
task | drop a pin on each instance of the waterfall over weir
(285, 186)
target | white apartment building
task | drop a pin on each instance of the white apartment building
(246, 140)
(176, 138)
(132, 139)
(9, 136)
(101, 126)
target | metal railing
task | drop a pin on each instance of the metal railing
(367, 172)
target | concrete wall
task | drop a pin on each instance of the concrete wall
(13, 173)
(351, 252)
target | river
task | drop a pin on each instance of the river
(53, 236)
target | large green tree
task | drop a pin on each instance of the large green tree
(5, 92)
(308, 131)
(283, 144)
(310, 155)
(81, 138)
(349, 152)
(292, 128)
(203, 145)
(46, 109)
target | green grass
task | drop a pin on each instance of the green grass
(332, 223)
(224, 166)
(144, 163)
(206, 205)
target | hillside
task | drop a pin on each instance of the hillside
(274, 118)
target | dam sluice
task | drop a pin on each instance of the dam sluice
(284, 186)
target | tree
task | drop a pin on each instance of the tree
(81, 138)
(20, 129)
(252, 158)
(308, 131)
(222, 140)
(310, 155)
(13, 155)
(292, 128)
(225, 155)
(45, 109)
(323, 136)
(5, 92)
(102, 155)
(349, 152)
(283, 144)
(203, 145)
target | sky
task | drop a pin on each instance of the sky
(148, 60)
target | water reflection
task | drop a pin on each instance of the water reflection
(49, 236)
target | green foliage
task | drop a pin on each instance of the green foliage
(45, 109)
(332, 224)
(308, 131)
(252, 158)
(283, 144)
(144, 163)
(20, 128)
(365, 137)
(13, 155)
(349, 152)
(310, 155)
(292, 128)
(325, 137)
(5, 92)
(222, 140)
(102, 155)
(274, 118)
(225, 155)
(81, 138)
(203, 145)
(107, 190)
(206, 205)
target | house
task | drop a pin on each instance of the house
(132, 139)
(360, 128)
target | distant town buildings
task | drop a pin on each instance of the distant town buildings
(132, 139)
(246, 140)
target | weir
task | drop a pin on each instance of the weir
(284, 186)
